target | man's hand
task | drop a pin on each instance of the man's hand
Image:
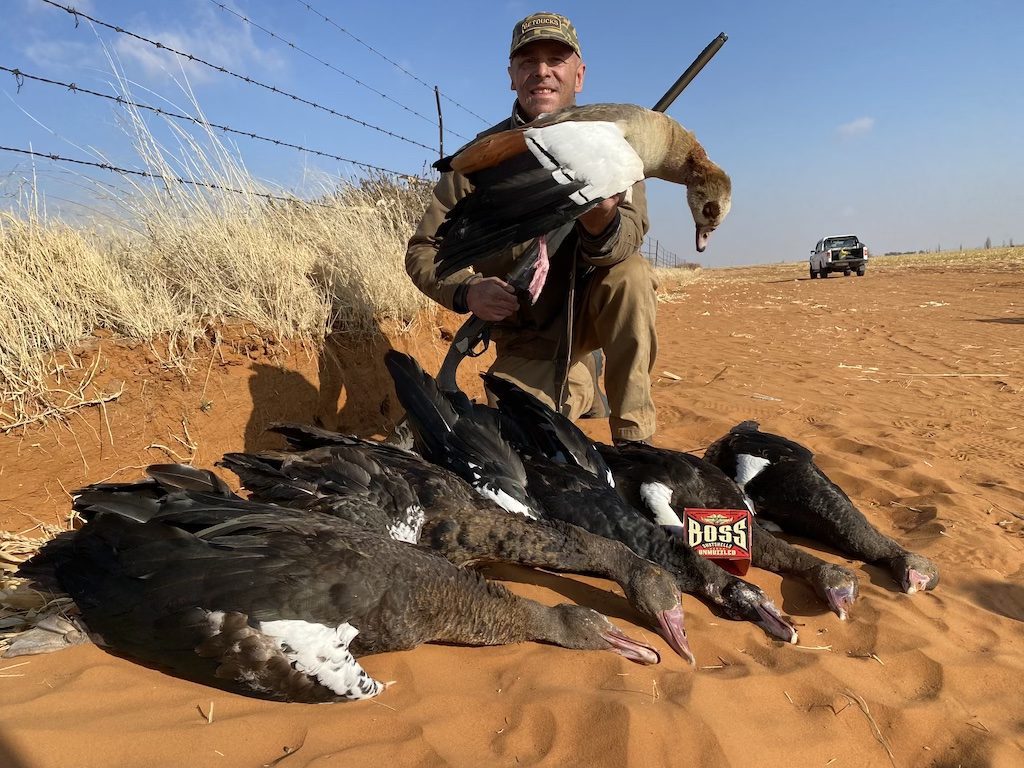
(492, 299)
(597, 219)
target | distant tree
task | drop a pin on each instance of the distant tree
(1011, 242)
(988, 242)
(961, 247)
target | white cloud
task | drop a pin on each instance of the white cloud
(857, 127)
(216, 40)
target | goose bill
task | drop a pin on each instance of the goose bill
(771, 621)
(915, 582)
(703, 235)
(840, 599)
(633, 650)
(672, 629)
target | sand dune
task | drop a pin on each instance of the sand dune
(907, 384)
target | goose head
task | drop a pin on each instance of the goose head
(574, 626)
(653, 591)
(709, 198)
(915, 573)
(746, 602)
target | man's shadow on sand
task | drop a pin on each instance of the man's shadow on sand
(353, 392)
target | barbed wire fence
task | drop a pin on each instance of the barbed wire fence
(327, 64)
(20, 77)
(393, 63)
(160, 45)
(652, 248)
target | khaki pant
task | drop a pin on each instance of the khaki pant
(617, 314)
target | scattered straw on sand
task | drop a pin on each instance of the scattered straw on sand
(20, 605)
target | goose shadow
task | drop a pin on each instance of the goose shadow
(1004, 320)
(351, 392)
(9, 756)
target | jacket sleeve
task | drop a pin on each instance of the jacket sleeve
(422, 247)
(623, 236)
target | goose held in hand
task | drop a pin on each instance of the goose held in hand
(531, 180)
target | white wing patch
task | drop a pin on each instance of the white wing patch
(322, 652)
(591, 151)
(506, 502)
(748, 467)
(658, 498)
(408, 529)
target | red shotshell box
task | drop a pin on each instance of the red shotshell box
(720, 535)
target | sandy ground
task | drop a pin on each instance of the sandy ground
(908, 385)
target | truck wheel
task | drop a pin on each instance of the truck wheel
(860, 272)
(813, 273)
(823, 273)
(846, 273)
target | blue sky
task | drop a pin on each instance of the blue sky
(901, 121)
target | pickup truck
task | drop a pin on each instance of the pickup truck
(839, 253)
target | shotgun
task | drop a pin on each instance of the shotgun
(473, 338)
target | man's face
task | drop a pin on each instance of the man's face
(546, 76)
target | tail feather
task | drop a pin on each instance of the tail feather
(548, 433)
(262, 476)
(431, 413)
(459, 435)
(188, 478)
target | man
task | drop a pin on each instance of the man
(600, 293)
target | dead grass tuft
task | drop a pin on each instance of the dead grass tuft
(179, 259)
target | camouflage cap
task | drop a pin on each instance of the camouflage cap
(544, 26)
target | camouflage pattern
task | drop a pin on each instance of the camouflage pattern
(544, 26)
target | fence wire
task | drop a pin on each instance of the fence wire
(252, 81)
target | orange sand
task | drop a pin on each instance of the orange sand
(908, 385)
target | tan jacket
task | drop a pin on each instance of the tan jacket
(536, 331)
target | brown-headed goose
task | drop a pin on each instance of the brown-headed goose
(787, 487)
(664, 482)
(276, 603)
(531, 180)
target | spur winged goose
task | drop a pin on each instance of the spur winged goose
(271, 602)
(426, 504)
(665, 482)
(662, 482)
(787, 487)
(531, 180)
(568, 493)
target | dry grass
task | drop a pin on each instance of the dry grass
(672, 279)
(180, 259)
